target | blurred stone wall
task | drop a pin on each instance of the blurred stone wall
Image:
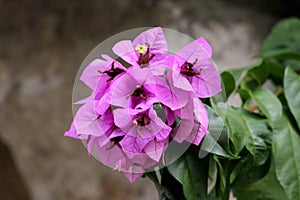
(42, 44)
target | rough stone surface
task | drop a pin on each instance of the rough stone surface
(10, 177)
(42, 44)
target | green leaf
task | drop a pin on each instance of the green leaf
(160, 112)
(282, 54)
(291, 90)
(245, 96)
(229, 82)
(210, 145)
(192, 173)
(247, 171)
(238, 72)
(285, 35)
(174, 186)
(217, 141)
(213, 176)
(260, 140)
(236, 127)
(294, 64)
(283, 44)
(222, 176)
(286, 152)
(268, 103)
(267, 188)
(163, 192)
(228, 86)
(255, 77)
(247, 129)
(276, 74)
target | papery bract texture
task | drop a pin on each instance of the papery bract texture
(135, 112)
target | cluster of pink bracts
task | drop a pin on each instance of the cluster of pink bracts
(120, 117)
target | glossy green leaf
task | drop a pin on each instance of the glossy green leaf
(210, 145)
(246, 129)
(236, 127)
(217, 141)
(260, 140)
(160, 112)
(284, 36)
(283, 44)
(282, 54)
(292, 92)
(286, 152)
(213, 176)
(256, 76)
(247, 171)
(228, 82)
(294, 64)
(276, 74)
(268, 103)
(192, 173)
(267, 188)
(222, 176)
(245, 96)
(172, 185)
(237, 73)
(228, 86)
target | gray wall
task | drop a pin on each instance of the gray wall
(42, 44)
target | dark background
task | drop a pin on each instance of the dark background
(42, 44)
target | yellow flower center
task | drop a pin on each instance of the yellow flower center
(141, 48)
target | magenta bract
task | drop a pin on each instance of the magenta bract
(122, 119)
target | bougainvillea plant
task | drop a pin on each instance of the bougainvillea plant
(148, 98)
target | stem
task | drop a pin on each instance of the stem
(227, 172)
(253, 108)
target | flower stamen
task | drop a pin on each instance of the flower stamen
(138, 92)
(187, 69)
(144, 54)
(112, 72)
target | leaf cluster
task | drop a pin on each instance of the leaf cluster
(252, 150)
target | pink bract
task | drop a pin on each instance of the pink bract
(133, 113)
